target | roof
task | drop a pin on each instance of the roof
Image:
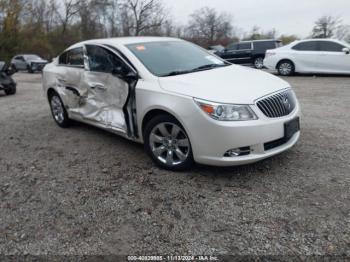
(126, 40)
(321, 40)
(261, 40)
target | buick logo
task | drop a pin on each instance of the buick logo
(286, 103)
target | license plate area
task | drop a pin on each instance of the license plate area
(291, 128)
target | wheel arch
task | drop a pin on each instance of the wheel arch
(50, 92)
(285, 60)
(155, 112)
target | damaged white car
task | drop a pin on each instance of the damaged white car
(183, 103)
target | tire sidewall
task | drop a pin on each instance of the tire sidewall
(283, 62)
(258, 58)
(11, 91)
(66, 121)
(146, 134)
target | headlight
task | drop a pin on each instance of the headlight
(226, 112)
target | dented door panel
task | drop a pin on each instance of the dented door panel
(105, 99)
(68, 82)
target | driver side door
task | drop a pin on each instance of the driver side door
(106, 93)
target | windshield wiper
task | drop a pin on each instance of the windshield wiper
(200, 68)
(175, 73)
(206, 67)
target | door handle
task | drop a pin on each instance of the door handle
(61, 80)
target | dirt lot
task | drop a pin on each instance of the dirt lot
(85, 191)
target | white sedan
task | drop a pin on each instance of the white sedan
(184, 104)
(325, 56)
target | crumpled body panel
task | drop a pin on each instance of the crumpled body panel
(103, 100)
(91, 96)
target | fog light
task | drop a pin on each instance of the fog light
(242, 151)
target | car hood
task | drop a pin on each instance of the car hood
(38, 61)
(232, 84)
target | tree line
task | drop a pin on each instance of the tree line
(46, 27)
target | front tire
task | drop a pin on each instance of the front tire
(14, 68)
(58, 111)
(286, 68)
(30, 69)
(259, 63)
(167, 143)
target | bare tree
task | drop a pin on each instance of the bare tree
(66, 13)
(145, 15)
(257, 34)
(208, 27)
(325, 27)
(343, 32)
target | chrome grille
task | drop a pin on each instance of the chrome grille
(278, 105)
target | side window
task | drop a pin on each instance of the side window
(263, 46)
(63, 59)
(232, 47)
(19, 58)
(245, 46)
(327, 46)
(103, 60)
(307, 46)
(75, 57)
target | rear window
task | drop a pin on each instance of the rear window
(245, 46)
(263, 46)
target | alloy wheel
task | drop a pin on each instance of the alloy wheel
(285, 69)
(57, 109)
(169, 144)
(259, 63)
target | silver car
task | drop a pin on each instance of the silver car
(30, 63)
(184, 104)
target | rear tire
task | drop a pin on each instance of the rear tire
(167, 143)
(259, 63)
(58, 111)
(11, 91)
(286, 68)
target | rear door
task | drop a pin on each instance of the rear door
(229, 53)
(245, 52)
(106, 93)
(68, 76)
(332, 59)
(239, 53)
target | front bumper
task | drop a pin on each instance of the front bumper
(211, 139)
(38, 66)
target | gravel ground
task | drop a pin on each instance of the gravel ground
(84, 191)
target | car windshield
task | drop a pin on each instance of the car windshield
(170, 58)
(33, 57)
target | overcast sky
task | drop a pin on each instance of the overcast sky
(286, 16)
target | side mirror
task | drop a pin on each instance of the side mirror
(346, 50)
(124, 73)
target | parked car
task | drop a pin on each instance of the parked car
(184, 104)
(6, 82)
(310, 56)
(249, 52)
(215, 49)
(30, 63)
